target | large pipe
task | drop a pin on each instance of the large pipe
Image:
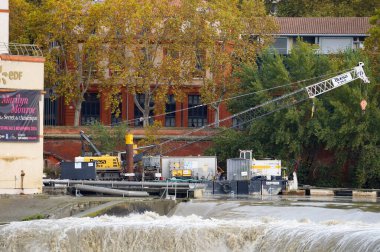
(124, 183)
(105, 190)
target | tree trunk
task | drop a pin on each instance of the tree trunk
(144, 110)
(146, 117)
(78, 109)
(217, 119)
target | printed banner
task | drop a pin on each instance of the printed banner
(19, 116)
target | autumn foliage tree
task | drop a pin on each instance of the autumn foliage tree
(158, 47)
(236, 32)
(148, 52)
(71, 35)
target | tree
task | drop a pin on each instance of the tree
(108, 139)
(324, 8)
(371, 44)
(197, 38)
(339, 126)
(72, 37)
(239, 30)
(19, 30)
(148, 51)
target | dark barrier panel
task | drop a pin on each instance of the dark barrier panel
(225, 187)
(242, 187)
(78, 170)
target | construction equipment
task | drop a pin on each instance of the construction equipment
(261, 176)
(189, 168)
(108, 166)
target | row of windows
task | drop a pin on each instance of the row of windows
(197, 115)
(326, 44)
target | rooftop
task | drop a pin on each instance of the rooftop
(323, 25)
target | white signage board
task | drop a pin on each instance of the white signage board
(21, 75)
(341, 79)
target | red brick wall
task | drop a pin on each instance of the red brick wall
(64, 142)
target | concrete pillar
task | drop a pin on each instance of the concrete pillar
(321, 192)
(357, 194)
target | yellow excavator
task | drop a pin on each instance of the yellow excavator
(108, 166)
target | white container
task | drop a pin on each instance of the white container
(202, 167)
(266, 167)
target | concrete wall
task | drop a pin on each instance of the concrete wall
(26, 156)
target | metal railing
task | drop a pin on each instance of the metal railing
(20, 49)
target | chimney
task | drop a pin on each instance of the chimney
(4, 27)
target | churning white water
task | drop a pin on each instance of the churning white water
(207, 226)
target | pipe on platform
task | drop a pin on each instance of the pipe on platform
(124, 183)
(111, 191)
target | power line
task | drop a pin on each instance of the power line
(230, 98)
(250, 114)
(240, 124)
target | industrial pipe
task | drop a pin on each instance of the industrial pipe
(111, 191)
(125, 183)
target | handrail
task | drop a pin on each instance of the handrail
(20, 49)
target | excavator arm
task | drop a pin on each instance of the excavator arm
(83, 138)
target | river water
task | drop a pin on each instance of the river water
(273, 224)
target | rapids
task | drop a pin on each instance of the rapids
(209, 225)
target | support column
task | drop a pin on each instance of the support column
(129, 153)
(178, 114)
(125, 105)
(131, 109)
(186, 111)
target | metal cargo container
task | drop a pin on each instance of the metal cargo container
(238, 169)
(201, 167)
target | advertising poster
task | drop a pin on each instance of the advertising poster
(19, 116)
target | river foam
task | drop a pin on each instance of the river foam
(151, 232)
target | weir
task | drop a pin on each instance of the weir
(207, 226)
